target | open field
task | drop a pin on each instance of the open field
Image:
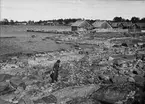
(15, 39)
(95, 68)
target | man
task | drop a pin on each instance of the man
(54, 74)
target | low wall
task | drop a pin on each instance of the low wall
(111, 30)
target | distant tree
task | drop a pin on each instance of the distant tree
(135, 19)
(30, 22)
(91, 21)
(142, 20)
(12, 22)
(118, 19)
(127, 20)
(68, 21)
(60, 21)
(39, 22)
(5, 21)
(16, 21)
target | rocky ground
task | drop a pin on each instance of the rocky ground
(98, 69)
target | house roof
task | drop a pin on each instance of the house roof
(124, 24)
(114, 24)
(81, 23)
(100, 23)
(141, 25)
(127, 24)
(78, 23)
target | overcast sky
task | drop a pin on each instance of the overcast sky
(54, 9)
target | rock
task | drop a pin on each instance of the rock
(131, 79)
(5, 88)
(112, 93)
(4, 77)
(74, 92)
(4, 102)
(139, 80)
(119, 79)
(124, 44)
(80, 100)
(134, 72)
(50, 99)
(25, 100)
(16, 81)
(110, 58)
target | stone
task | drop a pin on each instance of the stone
(80, 100)
(119, 79)
(112, 93)
(4, 77)
(139, 80)
(110, 58)
(50, 99)
(3, 85)
(25, 100)
(5, 88)
(4, 102)
(131, 79)
(16, 81)
(76, 91)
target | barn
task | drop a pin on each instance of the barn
(118, 25)
(134, 28)
(127, 25)
(81, 25)
(101, 24)
(141, 25)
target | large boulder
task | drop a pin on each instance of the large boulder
(5, 88)
(17, 82)
(119, 79)
(3, 85)
(4, 77)
(113, 93)
(80, 100)
(139, 80)
(74, 92)
(51, 99)
(4, 102)
(25, 100)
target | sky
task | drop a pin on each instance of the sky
(54, 9)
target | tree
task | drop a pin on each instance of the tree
(5, 21)
(30, 22)
(142, 20)
(118, 19)
(127, 20)
(135, 19)
(60, 21)
(12, 22)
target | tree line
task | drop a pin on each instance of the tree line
(68, 21)
(133, 20)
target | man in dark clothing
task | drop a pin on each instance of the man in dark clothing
(54, 74)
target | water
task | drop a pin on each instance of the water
(14, 39)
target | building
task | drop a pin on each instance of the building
(134, 28)
(21, 23)
(126, 25)
(117, 25)
(81, 25)
(141, 25)
(50, 23)
(101, 24)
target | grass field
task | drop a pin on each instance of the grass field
(14, 39)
